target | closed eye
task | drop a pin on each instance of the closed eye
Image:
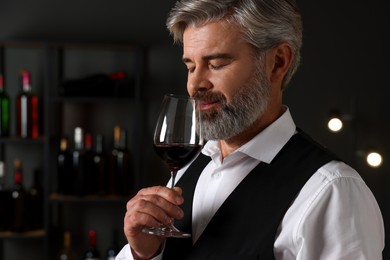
(217, 66)
(190, 69)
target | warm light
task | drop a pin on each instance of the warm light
(374, 159)
(335, 124)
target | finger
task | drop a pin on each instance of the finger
(155, 206)
(158, 207)
(134, 222)
(165, 192)
(178, 190)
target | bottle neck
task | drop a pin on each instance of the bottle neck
(92, 238)
(99, 144)
(123, 140)
(88, 141)
(18, 172)
(2, 70)
(18, 177)
(26, 81)
(67, 240)
(2, 83)
(2, 175)
(63, 144)
(117, 135)
(78, 139)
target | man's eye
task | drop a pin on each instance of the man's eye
(216, 66)
(190, 69)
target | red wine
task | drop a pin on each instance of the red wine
(177, 155)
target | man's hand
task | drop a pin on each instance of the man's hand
(150, 207)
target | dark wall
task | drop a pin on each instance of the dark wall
(345, 66)
(345, 63)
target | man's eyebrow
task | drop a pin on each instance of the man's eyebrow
(224, 56)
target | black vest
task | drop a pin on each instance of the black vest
(245, 225)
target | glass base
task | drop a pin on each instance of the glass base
(166, 231)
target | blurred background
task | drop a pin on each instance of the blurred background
(344, 72)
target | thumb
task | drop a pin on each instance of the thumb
(178, 190)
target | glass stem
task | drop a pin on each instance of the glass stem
(173, 178)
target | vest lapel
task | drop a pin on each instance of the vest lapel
(180, 246)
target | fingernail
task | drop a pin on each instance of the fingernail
(180, 213)
(179, 200)
(168, 220)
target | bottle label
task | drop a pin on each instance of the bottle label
(24, 117)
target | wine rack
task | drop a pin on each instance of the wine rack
(52, 65)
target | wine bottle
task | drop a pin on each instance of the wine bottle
(35, 203)
(112, 251)
(124, 165)
(112, 174)
(4, 100)
(78, 162)
(92, 252)
(18, 200)
(27, 109)
(89, 175)
(120, 164)
(64, 167)
(66, 252)
(99, 165)
(5, 201)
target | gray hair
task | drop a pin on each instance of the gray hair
(263, 23)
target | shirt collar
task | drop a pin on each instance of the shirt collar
(265, 145)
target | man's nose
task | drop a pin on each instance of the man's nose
(198, 82)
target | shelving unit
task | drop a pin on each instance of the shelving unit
(52, 65)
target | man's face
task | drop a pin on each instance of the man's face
(225, 75)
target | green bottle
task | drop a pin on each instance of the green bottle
(4, 101)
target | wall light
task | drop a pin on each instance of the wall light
(335, 124)
(372, 157)
(336, 121)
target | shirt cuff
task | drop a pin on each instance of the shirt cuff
(125, 254)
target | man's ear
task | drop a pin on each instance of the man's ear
(279, 61)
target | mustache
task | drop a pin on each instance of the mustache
(208, 96)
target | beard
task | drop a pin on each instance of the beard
(247, 105)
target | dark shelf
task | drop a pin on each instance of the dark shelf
(22, 235)
(59, 198)
(18, 140)
(97, 113)
(107, 99)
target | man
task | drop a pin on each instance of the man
(261, 189)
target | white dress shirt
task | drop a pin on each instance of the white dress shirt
(335, 216)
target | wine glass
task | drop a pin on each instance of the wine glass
(177, 140)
